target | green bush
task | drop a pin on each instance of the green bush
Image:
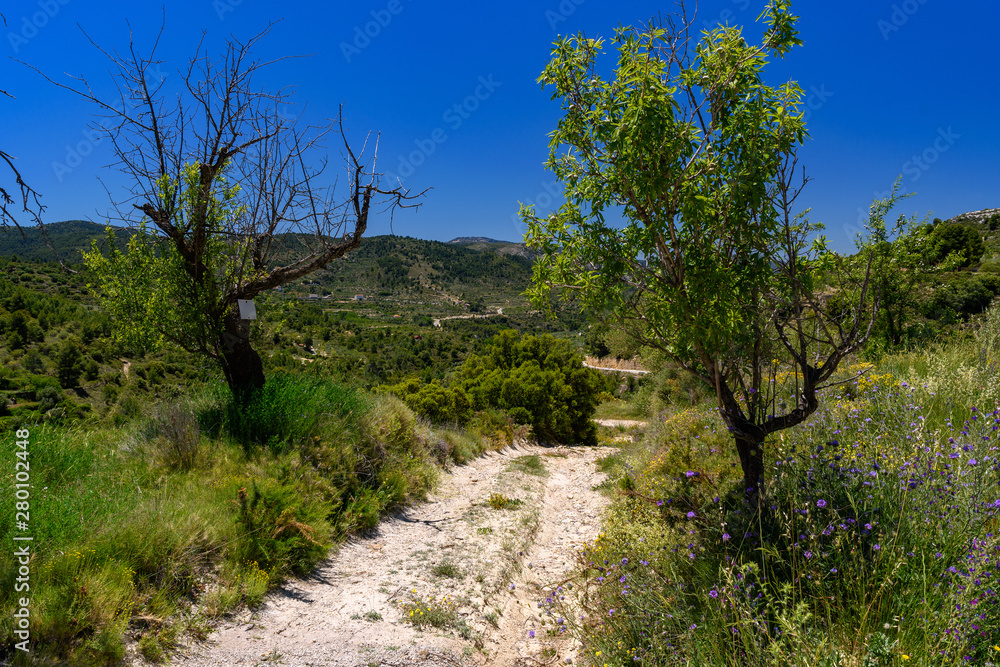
(960, 298)
(288, 410)
(69, 358)
(962, 243)
(435, 402)
(537, 380)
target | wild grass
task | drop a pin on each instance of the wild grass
(878, 543)
(531, 465)
(172, 519)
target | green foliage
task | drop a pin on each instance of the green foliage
(905, 263)
(69, 360)
(712, 266)
(279, 528)
(435, 402)
(538, 380)
(881, 517)
(287, 412)
(150, 291)
(962, 296)
(956, 245)
(701, 194)
(499, 501)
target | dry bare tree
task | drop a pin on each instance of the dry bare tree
(216, 172)
(21, 198)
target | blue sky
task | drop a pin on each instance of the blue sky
(895, 87)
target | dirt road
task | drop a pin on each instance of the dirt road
(476, 571)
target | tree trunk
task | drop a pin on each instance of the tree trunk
(751, 453)
(242, 365)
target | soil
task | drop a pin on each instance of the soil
(480, 572)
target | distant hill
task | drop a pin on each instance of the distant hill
(987, 221)
(477, 275)
(476, 239)
(67, 238)
(979, 217)
(482, 243)
(474, 274)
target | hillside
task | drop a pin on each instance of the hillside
(419, 272)
(67, 238)
(465, 274)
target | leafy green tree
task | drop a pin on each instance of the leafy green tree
(205, 243)
(435, 402)
(956, 245)
(907, 263)
(537, 380)
(696, 152)
(69, 362)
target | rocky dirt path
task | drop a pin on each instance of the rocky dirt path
(471, 576)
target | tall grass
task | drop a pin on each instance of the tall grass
(172, 519)
(878, 545)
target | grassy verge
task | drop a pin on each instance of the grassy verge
(151, 530)
(879, 545)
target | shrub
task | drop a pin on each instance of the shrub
(962, 245)
(537, 380)
(961, 298)
(48, 397)
(69, 358)
(435, 402)
(179, 434)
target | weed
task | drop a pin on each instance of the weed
(498, 501)
(439, 613)
(531, 465)
(179, 436)
(447, 569)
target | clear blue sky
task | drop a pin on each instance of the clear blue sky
(905, 87)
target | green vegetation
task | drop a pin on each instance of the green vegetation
(191, 506)
(956, 245)
(536, 381)
(498, 501)
(130, 523)
(162, 499)
(712, 267)
(879, 545)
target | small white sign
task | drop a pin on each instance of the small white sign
(248, 311)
